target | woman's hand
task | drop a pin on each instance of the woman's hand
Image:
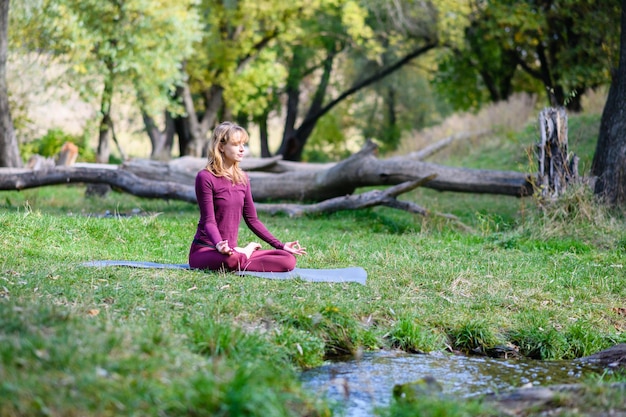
(222, 247)
(295, 248)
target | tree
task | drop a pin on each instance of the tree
(404, 101)
(137, 42)
(232, 69)
(258, 55)
(559, 48)
(400, 32)
(9, 152)
(112, 46)
(609, 162)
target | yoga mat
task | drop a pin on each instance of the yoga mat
(350, 274)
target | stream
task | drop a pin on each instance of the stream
(357, 386)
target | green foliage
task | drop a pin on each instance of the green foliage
(237, 54)
(126, 41)
(104, 371)
(214, 339)
(401, 103)
(255, 52)
(576, 219)
(557, 44)
(51, 143)
(135, 39)
(328, 141)
(339, 329)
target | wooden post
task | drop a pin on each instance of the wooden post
(556, 168)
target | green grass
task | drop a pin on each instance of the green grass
(116, 341)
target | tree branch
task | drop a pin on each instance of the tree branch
(364, 83)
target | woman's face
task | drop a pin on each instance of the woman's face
(233, 150)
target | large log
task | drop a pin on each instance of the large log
(123, 180)
(184, 169)
(20, 179)
(317, 182)
(274, 179)
(363, 169)
(310, 183)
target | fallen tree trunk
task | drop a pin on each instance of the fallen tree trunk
(184, 169)
(20, 179)
(312, 183)
(363, 169)
(317, 182)
(117, 178)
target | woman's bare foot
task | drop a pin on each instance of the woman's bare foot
(248, 249)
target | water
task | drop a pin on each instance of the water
(359, 385)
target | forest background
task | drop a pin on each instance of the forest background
(311, 80)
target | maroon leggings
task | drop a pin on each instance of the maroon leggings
(273, 260)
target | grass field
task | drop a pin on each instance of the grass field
(76, 341)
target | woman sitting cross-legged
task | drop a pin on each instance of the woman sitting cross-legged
(224, 197)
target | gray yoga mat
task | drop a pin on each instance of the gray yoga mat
(350, 274)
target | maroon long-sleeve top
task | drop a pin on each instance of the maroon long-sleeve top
(222, 205)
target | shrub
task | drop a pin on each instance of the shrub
(51, 143)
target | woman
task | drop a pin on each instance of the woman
(224, 197)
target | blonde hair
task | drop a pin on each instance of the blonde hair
(224, 133)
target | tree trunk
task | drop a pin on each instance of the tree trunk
(316, 182)
(292, 150)
(293, 97)
(295, 140)
(130, 183)
(181, 127)
(363, 169)
(162, 141)
(609, 162)
(120, 179)
(557, 169)
(214, 100)
(192, 132)
(9, 151)
(103, 152)
(264, 136)
(306, 182)
(357, 201)
(195, 144)
(392, 132)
